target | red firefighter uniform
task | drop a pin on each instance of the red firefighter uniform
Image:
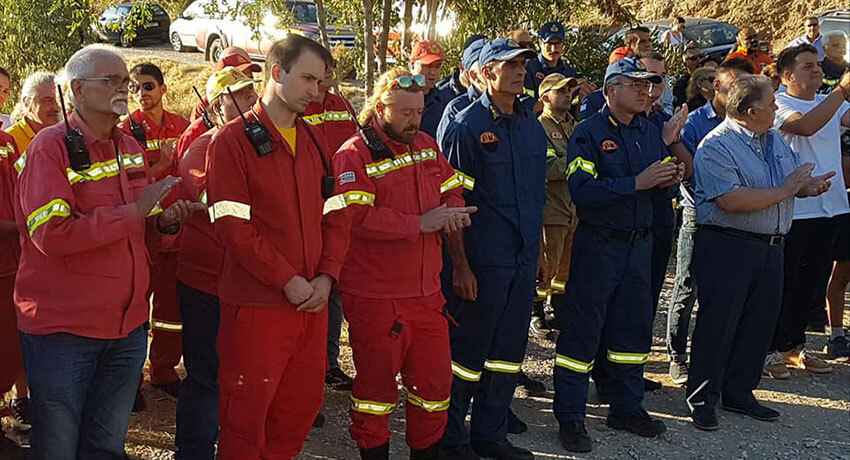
(11, 366)
(391, 286)
(194, 131)
(82, 231)
(166, 325)
(334, 117)
(267, 213)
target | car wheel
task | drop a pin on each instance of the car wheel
(176, 43)
(124, 41)
(215, 50)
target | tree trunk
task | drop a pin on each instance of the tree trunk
(369, 41)
(385, 35)
(432, 18)
(323, 26)
(405, 33)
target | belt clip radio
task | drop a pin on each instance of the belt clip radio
(258, 134)
(78, 152)
(138, 131)
(328, 181)
(205, 111)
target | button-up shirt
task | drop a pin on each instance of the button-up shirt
(700, 122)
(804, 40)
(559, 209)
(731, 157)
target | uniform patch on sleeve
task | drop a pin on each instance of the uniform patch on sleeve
(346, 178)
(609, 145)
(488, 138)
(556, 135)
(539, 75)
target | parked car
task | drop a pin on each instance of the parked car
(836, 21)
(211, 33)
(150, 20)
(713, 37)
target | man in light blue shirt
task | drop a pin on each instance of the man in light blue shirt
(811, 37)
(746, 179)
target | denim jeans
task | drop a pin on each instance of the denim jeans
(81, 393)
(197, 406)
(334, 328)
(684, 290)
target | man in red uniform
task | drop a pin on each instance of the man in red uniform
(161, 128)
(198, 266)
(81, 288)
(391, 279)
(280, 261)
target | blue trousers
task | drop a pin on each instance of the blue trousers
(488, 347)
(81, 393)
(607, 301)
(197, 406)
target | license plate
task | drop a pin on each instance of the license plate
(152, 24)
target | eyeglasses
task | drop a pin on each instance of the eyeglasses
(147, 86)
(405, 82)
(114, 82)
(637, 86)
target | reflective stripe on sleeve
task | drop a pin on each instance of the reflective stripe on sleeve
(528, 91)
(620, 357)
(505, 367)
(467, 181)
(55, 208)
(464, 373)
(20, 163)
(451, 183)
(230, 208)
(203, 197)
(342, 200)
(372, 407)
(169, 326)
(573, 364)
(580, 163)
(428, 406)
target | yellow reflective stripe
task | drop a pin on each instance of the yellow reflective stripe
(467, 181)
(573, 364)
(558, 285)
(372, 407)
(155, 144)
(157, 209)
(550, 153)
(132, 161)
(528, 91)
(342, 200)
(20, 163)
(627, 358)
(383, 167)
(230, 208)
(428, 406)
(315, 119)
(337, 115)
(96, 171)
(6, 150)
(506, 367)
(166, 325)
(464, 373)
(451, 183)
(203, 197)
(580, 163)
(55, 208)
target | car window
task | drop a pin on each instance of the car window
(709, 35)
(304, 13)
(122, 10)
(833, 25)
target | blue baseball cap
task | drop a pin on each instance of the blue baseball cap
(473, 38)
(550, 30)
(631, 67)
(503, 49)
(472, 52)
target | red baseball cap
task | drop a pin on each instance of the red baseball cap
(238, 61)
(428, 52)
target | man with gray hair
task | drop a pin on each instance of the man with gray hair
(746, 179)
(834, 62)
(37, 108)
(86, 209)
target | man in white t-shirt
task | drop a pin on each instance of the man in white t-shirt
(812, 124)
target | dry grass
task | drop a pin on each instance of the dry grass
(179, 78)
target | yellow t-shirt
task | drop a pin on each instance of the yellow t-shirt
(22, 133)
(288, 135)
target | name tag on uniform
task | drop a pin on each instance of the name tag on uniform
(609, 146)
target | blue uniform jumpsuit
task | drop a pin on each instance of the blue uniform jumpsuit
(608, 297)
(452, 109)
(591, 104)
(537, 69)
(502, 159)
(436, 101)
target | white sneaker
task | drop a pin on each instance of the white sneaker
(774, 366)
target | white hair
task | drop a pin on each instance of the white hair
(834, 35)
(29, 91)
(81, 65)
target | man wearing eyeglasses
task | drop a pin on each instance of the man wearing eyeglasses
(693, 59)
(161, 128)
(619, 165)
(749, 48)
(499, 148)
(550, 59)
(81, 290)
(811, 37)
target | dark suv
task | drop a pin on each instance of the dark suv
(150, 20)
(713, 37)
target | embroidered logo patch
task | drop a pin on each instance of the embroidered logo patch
(346, 178)
(609, 145)
(557, 135)
(488, 138)
(539, 75)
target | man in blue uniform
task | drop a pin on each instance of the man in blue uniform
(618, 166)
(499, 150)
(472, 70)
(549, 60)
(427, 59)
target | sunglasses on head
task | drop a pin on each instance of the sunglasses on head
(147, 86)
(405, 82)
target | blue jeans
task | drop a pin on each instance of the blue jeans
(334, 328)
(197, 406)
(81, 393)
(684, 290)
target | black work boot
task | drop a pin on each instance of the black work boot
(461, 452)
(639, 423)
(501, 451)
(376, 453)
(574, 437)
(431, 452)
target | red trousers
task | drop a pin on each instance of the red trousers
(11, 361)
(389, 336)
(272, 380)
(166, 323)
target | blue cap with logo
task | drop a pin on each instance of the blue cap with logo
(631, 67)
(550, 30)
(472, 52)
(502, 49)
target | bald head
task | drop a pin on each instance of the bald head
(235, 50)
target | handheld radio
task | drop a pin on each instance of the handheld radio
(78, 152)
(328, 182)
(376, 146)
(258, 134)
(205, 114)
(138, 131)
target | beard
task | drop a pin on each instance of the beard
(119, 106)
(405, 136)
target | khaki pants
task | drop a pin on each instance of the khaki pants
(557, 248)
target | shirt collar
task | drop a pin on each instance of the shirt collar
(473, 92)
(615, 123)
(709, 111)
(519, 109)
(737, 127)
(76, 121)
